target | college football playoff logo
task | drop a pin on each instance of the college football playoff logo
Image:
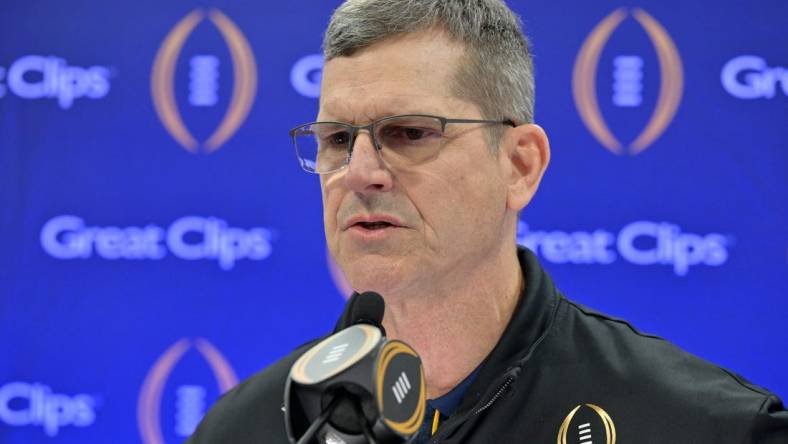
(586, 424)
(627, 82)
(203, 80)
(149, 404)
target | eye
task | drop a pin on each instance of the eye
(340, 138)
(398, 134)
(413, 133)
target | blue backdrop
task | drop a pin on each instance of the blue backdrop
(158, 241)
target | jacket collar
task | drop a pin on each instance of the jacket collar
(530, 322)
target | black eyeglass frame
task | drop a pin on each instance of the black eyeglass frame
(354, 130)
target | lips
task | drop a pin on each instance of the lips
(373, 222)
(374, 225)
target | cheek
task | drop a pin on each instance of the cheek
(331, 200)
(443, 202)
(472, 203)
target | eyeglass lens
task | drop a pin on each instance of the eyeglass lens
(405, 140)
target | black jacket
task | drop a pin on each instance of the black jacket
(559, 374)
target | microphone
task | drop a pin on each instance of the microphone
(368, 308)
(356, 386)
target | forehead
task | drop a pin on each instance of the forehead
(412, 73)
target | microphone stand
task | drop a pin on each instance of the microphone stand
(310, 432)
(364, 426)
(315, 426)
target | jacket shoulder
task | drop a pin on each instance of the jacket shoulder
(252, 411)
(640, 374)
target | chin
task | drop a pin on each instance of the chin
(378, 274)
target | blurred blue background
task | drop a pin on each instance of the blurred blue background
(159, 242)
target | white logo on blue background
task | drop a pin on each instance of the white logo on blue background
(189, 238)
(24, 404)
(306, 74)
(189, 409)
(48, 77)
(750, 77)
(639, 243)
(204, 80)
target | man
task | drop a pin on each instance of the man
(427, 153)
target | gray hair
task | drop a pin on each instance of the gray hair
(497, 74)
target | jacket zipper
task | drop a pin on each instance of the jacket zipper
(508, 379)
(498, 393)
(495, 397)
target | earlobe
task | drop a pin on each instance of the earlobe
(528, 153)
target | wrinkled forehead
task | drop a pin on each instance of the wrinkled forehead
(413, 73)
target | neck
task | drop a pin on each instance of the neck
(454, 326)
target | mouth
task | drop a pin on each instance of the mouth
(372, 223)
(379, 225)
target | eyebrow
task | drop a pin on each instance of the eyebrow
(390, 107)
(379, 114)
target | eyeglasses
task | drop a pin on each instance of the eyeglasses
(326, 147)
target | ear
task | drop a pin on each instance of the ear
(527, 153)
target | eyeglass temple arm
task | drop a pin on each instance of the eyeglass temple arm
(509, 122)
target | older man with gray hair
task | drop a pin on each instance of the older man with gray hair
(427, 152)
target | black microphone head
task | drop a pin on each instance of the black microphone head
(356, 384)
(368, 309)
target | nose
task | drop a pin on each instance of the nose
(366, 172)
